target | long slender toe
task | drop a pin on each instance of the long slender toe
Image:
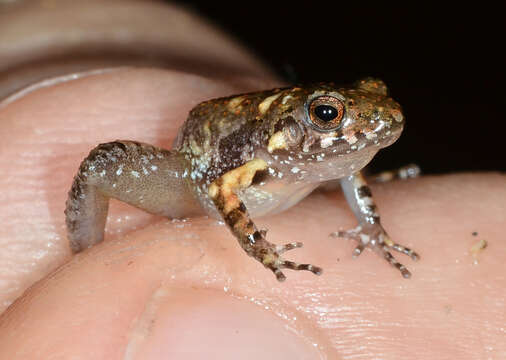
(405, 250)
(280, 249)
(279, 274)
(391, 259)
(272, 260)
(296, 266)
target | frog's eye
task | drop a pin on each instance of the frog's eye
(326, 112)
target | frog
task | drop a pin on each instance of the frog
(250, 155)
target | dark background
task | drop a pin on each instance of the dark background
(443, 65)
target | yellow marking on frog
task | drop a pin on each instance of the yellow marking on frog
(277, 141)
(236, 179)
(214, 190)
(286, 98)
(235, 103)
(265, 105)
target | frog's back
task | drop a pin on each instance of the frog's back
(223, 134)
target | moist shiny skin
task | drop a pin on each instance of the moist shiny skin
(249, 155)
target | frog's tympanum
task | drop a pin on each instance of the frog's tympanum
(249, 155)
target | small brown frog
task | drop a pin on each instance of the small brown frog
(245, 156)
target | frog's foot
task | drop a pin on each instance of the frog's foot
(271, 258)
(375, 237)
(403, 173)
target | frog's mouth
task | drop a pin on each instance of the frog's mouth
(346, 142)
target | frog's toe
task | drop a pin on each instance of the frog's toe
(275, 262)
(280, 249)
(393, 261)
(353, 234)
(409, 171)
(285, 264)
(377, 239)
(405, 250)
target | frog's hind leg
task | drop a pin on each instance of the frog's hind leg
(139, 174)
(223, 192)
(370, 233)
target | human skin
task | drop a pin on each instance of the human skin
(160, 289)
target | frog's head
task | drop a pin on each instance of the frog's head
(350, 118)
(341, 125)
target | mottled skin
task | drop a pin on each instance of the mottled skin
(245, 156)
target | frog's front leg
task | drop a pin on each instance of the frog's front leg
(370, 233)
(224, 194)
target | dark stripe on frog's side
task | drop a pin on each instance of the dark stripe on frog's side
(229, 130)
(236, 148)
(260, 176)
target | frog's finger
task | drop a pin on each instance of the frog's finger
(350, 234)
(409, 171)
(285, 264)
(280, 249)
(393, 261)
(279, 274)
(296, 266)
(406, 251)
(279, 263)
(358, 250)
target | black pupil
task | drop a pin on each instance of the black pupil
(326, 112)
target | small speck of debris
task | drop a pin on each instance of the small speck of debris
(477, 248)
(474, 233)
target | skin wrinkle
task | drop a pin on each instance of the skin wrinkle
(143, 324)
(51, 82)
(360, 306)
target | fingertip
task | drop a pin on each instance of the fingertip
(197, 324)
